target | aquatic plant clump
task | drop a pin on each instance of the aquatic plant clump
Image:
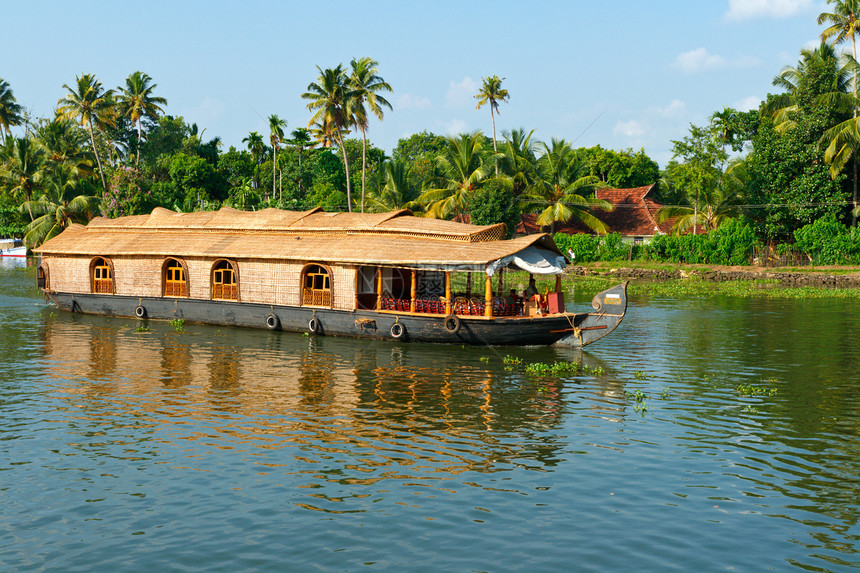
(559, 369)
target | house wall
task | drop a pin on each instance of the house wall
(260, 281)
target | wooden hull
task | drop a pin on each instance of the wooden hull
(522, 331)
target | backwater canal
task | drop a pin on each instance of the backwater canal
(722, 434)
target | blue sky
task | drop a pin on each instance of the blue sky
(621, 73)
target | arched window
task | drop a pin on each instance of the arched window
(175, 278)
(316, 286)
(42, 280)
(225, 280)
(101, 276)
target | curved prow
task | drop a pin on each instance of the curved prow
(610, 306)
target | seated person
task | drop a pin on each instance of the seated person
(513, 297)
(531, 290)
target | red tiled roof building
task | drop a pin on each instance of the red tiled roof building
(634, 216)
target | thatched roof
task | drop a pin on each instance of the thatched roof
(397, 238)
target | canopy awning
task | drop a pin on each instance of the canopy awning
(533, 259)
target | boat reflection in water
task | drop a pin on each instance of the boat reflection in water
(317, 394)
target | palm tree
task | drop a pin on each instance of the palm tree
(397, 192)
(491, 92)
(11, 112)
(519, 161)
(324, 133)
(795, 79)
(89, 103)
(462, 168)
(301, 138)
(564, 191)
(711, 207)
(332, 99)
(366, 84)
(256, 146)
(24, 169)
(276, 134)
(136, 102)
(243, 195)
(65, 144)
(57, 211)
(844, 24)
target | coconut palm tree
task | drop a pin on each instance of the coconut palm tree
(397, 192)
(324, 133)
(24, 168)
(11, 112)
(491, 92)
(462, 167)
(711, 207)
(844, 25)
(90, 104)
(564, 191)
(257, 147)
(136, 102)
(276, 134)
(519, 161)
(367, 84)
(794, 80)
(332, 99)
(57, 210)
(65, 143)
(301, 138)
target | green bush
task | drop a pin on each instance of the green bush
(731, 244)
(829, 242)
(583, 246)
(494, 203)
(612, 248)
(12, 221)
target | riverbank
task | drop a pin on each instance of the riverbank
(826, 277)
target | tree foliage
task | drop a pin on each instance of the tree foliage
(620, 169)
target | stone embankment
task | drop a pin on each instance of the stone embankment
(787, 278)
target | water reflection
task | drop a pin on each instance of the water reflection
(319, 395)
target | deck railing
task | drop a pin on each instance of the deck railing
(176, 289)
(225, 292)
(103, 286)
(313, 297)
(461, 306)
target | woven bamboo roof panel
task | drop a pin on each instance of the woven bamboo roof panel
(315, 221)
(397, 238)
(370, 249)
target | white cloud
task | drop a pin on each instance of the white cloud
(676, 108)
(455, 127)
(741, 10)
(747, 103)
(699, 60)
(409, 101)
(461, 94)
(630, 128)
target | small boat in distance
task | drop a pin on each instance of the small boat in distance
(384, 275)
(12, 248)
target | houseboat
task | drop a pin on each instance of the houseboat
(385, 276)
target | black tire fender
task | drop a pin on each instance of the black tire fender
(397, 331)
(140, 311)
(452, 323)
(314, 325)
(272, 322)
